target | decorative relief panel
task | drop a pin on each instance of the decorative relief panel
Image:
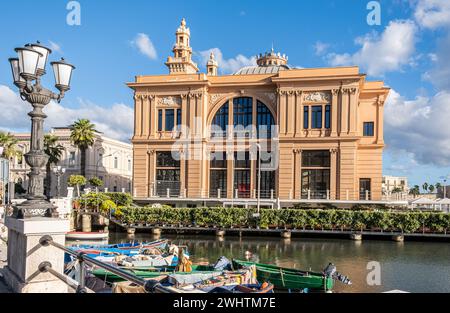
(317, 97)
(169, 101)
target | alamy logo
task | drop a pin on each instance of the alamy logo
(374, 16)
(74, 16)
(374, 276)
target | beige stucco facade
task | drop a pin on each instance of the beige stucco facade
(345, 124)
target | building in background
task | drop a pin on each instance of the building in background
(4, 180)
(394, 184)
(110, 160)
(329, 141)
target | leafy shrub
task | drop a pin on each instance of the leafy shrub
(407, 222)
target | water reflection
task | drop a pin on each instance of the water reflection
(409, 266)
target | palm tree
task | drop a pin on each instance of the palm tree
(431, 188)
(54, 151)
(82, 136)
(425, 187)
(9, 144)
(438, 186)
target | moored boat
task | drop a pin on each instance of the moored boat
(292, 279)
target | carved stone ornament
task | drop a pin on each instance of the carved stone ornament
(317, 97)
(215, 97)
(169, 101)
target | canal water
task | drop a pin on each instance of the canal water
(408, 266)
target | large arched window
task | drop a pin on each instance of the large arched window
(264, 121)
(244, 117)
(220, 122)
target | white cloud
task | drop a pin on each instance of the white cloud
(320, 48)
(55, 47)
(115, 121)
(227, 66)
(145, 46)
(439, 75)
(382, 53)
(433, 13)
(419, 127)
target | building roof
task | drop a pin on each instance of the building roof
(271, 69)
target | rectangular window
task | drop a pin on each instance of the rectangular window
(365, 189)
(316, 158)
(129, 165)
(218, 175)
(116, 162)
(328, 116)
(167, 174)
(316, 117)
(160, 120)
(170, 122)
(242, 174)
(243, 116)
(178, 119)
(306, 117)
(368, 129)
(317, 182)
(72, 159)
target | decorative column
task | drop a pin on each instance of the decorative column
(138, 115)
(184, 114)
(334, 111)
(344, 111)
(153, 124)
(151, 175)
(297, 173)
(379, 125)
(282, 111)
(290, 112)
(299, 113)
(333, 175)
(145, 115)
(353, 122)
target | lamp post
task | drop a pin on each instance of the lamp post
(58, 171)
(27, 70)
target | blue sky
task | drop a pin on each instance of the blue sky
(409, 54)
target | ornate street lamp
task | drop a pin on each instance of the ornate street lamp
(27, 70)
(58, 171)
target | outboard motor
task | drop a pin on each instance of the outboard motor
(330, 271)
(222, 264)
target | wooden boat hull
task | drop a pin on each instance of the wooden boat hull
(147, 273)
(87, 236)
(285, 278)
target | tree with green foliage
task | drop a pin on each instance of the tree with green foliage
(431, 188)
(77, 181)
(54, 151)
(82, 135)
(425, 187)
(9, 144)
(95, 182)
(415, 191)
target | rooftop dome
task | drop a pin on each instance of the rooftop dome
(268, 63)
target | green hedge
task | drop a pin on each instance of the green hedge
(93, 200)
(407, 222)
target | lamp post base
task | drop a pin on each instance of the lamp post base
(33, 208)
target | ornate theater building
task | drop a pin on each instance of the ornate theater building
(286, 135)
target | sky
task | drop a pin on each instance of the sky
(117, 40)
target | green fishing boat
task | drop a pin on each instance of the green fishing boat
(148, 273)
(286, 278)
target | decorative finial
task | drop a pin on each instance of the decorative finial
(183, 22)
(211, 56)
